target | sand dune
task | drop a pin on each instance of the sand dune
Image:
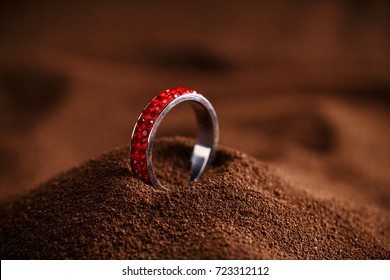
(239, 210)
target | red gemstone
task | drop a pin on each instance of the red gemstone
(135, 139)
(137, 153)
(145, 123)
(138, 157)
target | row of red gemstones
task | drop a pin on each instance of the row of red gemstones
(143, 127)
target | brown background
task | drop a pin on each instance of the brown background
(301, 85)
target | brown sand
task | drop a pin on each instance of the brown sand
(239, 210)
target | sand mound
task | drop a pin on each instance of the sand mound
(238, 210)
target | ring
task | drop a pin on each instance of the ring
(149, 120)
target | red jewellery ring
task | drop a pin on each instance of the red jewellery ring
(145, 130)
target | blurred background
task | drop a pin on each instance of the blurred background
(301, 85)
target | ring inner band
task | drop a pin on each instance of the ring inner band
(206, 139)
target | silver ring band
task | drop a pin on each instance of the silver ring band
(147, 125)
